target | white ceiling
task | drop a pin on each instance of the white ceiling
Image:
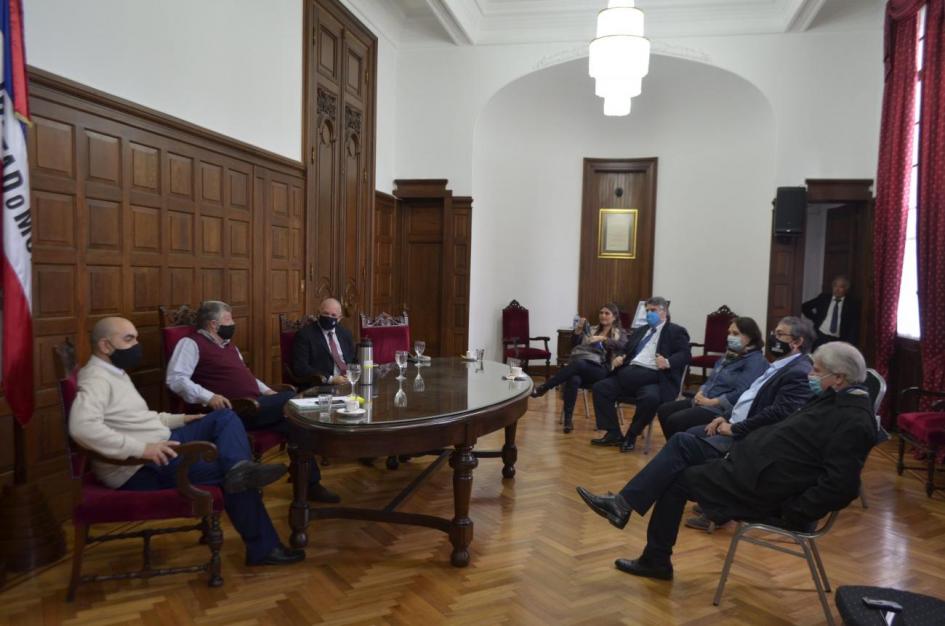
(479, 22)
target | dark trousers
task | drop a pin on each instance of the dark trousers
(822, 339)
(680, 415)
(662, 482)
(245, 509)
(576, 374)
(271, 416)
(632, 382)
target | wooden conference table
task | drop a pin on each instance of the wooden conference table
(443, 406)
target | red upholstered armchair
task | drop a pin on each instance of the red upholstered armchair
(516, 337)
(179, 323)
(716, 333)
(388, 334)
(98, 504)
(923, 429)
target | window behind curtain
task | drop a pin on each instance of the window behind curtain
(908, 314)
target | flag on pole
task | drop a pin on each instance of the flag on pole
(16, 349)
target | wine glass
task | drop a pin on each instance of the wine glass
(401, 358)
(418, 383)
(354, 375)
(419, 347)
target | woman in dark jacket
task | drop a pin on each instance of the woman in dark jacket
(589, 360)
(742, 363)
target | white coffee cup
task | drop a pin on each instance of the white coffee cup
(469, 354)
(515, 371)
(351, 404)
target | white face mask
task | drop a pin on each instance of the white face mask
(735, 343)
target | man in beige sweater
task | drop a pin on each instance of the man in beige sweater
(110, 417)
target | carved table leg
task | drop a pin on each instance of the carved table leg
(461, 530)
(298, 512)
(509, 451)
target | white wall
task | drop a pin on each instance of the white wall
(713, 134)
(233, 66)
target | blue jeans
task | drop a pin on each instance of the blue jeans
(271, 416)
(245, 509)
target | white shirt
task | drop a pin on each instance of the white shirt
(328, 342)
(647, 356)
(825, 325)
(181, 367)
(740, 410)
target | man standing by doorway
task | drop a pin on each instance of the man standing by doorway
(836, 315)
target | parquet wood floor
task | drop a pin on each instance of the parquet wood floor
(539, 556)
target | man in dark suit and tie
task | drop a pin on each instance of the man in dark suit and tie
(836, 315)
(650, 371)
(321, 352)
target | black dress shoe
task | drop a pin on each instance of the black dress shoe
(568, 424)
(540, 390)
(250, 475)
(610, 439)
(281, 555)
(628, 444)
(320, 493)
(642, 567)
(609, 507)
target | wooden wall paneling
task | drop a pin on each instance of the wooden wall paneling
(623, 281)
(785, 277)
(457, 299)
(340, 62)
(133, 209)
(386, 291)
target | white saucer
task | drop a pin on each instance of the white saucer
(468, 358)
(350, 413)
(508, 377)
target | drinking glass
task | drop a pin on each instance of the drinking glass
(480, 354)
(418, 383)
(354, 375)
(401, 358)
(323, 403)
(419, 347)
(514, 363)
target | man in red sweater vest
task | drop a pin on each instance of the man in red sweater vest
(207, 369)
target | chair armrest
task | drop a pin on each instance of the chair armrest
(695, 344)
(918, 392)
(539, 338)
(92, 454)
(245, 407)
(190, 453)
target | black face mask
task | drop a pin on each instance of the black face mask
(776, 346)
(226, 332)
(128, 358)
(326, 322)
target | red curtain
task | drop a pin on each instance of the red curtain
(892, 176)
(930, 222)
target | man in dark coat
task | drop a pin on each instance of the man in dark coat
(649, 371)
(835, 315)
(321, 352)
(789, 474)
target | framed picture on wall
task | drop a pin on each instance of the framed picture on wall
(617, 234)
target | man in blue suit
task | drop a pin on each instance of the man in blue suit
(650, 371)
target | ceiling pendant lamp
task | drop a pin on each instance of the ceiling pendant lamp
(619, 56)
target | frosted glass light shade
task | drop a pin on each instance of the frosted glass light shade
(620, 21)
(616, 106)
(619, 56)
(625, 87)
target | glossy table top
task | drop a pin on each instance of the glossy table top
(439, 390)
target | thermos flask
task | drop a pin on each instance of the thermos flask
(366, 359)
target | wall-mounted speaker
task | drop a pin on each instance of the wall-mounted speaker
(790, 210)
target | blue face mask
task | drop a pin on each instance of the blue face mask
(735, 343)
(653, 319)
(815, 384)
